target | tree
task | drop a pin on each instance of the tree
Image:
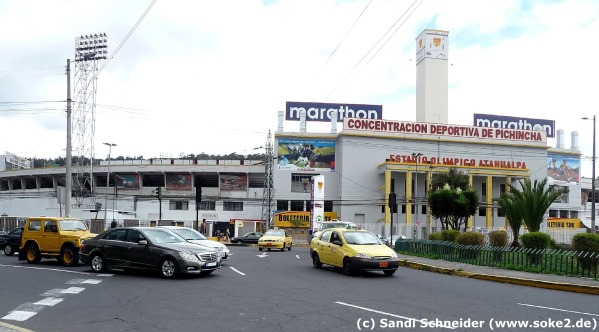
(451, 200)
(530, 202)
(512, 213)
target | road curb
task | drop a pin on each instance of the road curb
(586, 289)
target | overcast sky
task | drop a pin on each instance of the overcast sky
(209, 76)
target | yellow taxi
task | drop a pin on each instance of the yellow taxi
(275, 239)
(353, 250)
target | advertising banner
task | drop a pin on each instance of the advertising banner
(306, 154)
(178, 182)
(127, 181)
(317, 212)
(298, 218)
(563, 169)
(322, 111)
(509, 122)
(233, 182)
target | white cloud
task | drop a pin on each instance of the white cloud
(211, 76)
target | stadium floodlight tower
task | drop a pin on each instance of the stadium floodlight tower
(90, 51)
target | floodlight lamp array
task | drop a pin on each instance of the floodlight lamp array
(91, 47)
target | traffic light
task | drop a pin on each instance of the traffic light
(159, 192)
(198, 195)
(392, 201)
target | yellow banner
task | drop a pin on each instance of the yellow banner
(563, 223)
(298, 218)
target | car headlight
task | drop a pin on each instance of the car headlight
(394, 255)
(363, 256)
(279, 240)
(220, 248)
(188, 257)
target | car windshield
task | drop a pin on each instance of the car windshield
(362, 238)
(188, 233)
(73, 225)
(273, 232)
(159, 236)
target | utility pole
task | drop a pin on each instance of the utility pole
(69, 171)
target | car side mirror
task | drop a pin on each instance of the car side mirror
(143, 242)
(337, 242)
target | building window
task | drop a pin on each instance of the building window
(484, 189)
(563, 213)
(283, 205)
(502, 188)
(553, 213)
(208, 206)
(423, 209)
(178, 205)
(297, 205)
(232, 206)
(300, 183)
(403, 209)
(500, 212)
(482, 211)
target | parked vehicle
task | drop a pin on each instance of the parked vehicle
(193, 236)
(150, 248)
(251, 237)
(275, 239)
(10, 242)
(53, 237)
(353, 250)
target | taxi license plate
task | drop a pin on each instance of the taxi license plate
(269, 244)
(210, 264)
(383, 264)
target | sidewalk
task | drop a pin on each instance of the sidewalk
(550, 281)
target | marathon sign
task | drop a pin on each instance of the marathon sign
(508, 122)
(323, 111)
(420, 129)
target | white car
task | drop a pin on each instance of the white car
(193, 236)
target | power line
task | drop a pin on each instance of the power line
(128, 35)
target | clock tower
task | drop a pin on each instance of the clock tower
(432, 76)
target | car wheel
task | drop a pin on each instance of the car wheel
(69, 256)
(283, 249)
(33, 254)
(8, 250)
(316, 261)
(289, 248)
(259, 249)
(347, 268)
(169, 268)
(389, 273)
(268, 249)
(97, 263)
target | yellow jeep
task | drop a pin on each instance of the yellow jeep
(53, 237)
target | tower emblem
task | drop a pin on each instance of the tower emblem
(437, 42)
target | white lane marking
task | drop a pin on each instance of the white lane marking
(236, 270)
(557, 309)
(297, 256)
(262, 255)
(19, 315)
(91, 281)
(61, 291)
(390, 314)
(49, 301)
(49, 269)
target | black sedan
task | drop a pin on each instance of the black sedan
(251, 237)
(11, 241)
(147, 248)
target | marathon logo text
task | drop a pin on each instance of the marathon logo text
(509, 122)
(323, 111)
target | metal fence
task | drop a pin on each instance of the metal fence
(550, 261)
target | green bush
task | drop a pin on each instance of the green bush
(450, 234)
(498, 238)
(436, 236)
(536, 240)
(470, 238)
(589, 243)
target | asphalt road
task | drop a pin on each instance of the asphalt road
(276, 291)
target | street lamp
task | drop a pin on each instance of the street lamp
(593, 180)
(110, 145)
(416, 155)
